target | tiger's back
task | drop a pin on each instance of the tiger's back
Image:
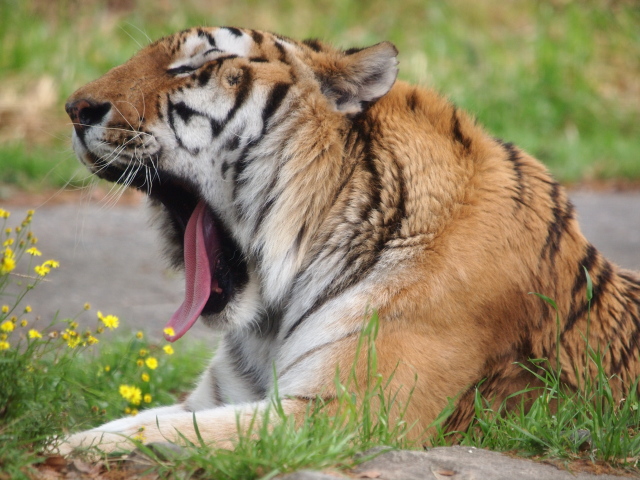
(318, 188)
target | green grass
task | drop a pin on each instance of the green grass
(557, 78)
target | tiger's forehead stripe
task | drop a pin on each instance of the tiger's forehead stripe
(200, 42)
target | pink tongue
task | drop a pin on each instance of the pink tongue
(198, 237)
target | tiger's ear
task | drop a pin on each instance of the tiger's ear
(360, 77)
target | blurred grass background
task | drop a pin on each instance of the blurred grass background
(560, 78)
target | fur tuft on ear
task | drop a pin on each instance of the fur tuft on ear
(360, 77)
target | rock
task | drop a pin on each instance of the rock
(451, 463)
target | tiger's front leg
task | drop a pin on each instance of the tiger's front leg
(218, 426)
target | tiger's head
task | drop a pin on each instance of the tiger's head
(238, 138)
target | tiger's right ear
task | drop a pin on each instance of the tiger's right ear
(360, 77)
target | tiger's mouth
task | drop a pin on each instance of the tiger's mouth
(214, 266)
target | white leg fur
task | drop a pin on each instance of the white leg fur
(217, 426)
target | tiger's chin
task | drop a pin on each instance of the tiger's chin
(196, 241)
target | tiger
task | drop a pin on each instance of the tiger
(303, 188)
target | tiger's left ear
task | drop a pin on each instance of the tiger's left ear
(360, 77)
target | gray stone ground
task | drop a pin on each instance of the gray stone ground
(451, 463)
(111, 258)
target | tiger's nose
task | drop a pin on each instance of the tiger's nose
(86, 113)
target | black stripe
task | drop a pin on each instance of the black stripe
(575, 312)
(266, 206)
(276, 97)
(204, 75)
(298, 241)
(588, 261)
(599, 286)
(258, 59)
(216, 127)
(159, 107)
(400, 212)
(351, 51)
(223, 169)
(241, 366)
(240, 165)
(184, 111)
(313, 43)
(413, 100)
(242, 94)
(172, 126)
(282, 52)
(561, 215)
(513, 156)
(236, 32)
(232, 143)
(364, 130)
(210, 38)
(457, 132)
(268, 325)
(631, 279)
(217, 394)
(257, 37)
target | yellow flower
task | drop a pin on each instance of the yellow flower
(92, 340)
(3, 336)
(7, 263)
(34, 251)
(87, 306)
(152, 363)
(30, 213)
(42, 270)
(73, 341)
(169, 331)
(147, 398)
(33, 333)
(8, 242)
(23, 323)
(4, 213)
(7, 326)
(142, 352)
(110, 321)
(8, 231)
(130, 393)
(145, 377)
(168, 349)
(107, 368)
(52, 263)
(34, 240)
(134, 412)
(27, 309)
(4, 345)
(140, 362)
(73, 325)
(139, 335)
(5, 308)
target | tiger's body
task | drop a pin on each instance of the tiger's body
(303, 187)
